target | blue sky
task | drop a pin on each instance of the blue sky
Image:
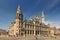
(29, 9)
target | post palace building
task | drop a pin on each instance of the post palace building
(28, 27)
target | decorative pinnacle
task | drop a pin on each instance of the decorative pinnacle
(37, 15)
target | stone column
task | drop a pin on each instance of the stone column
(34, 29)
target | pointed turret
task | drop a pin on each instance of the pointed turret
(43, 17)
(18, 9)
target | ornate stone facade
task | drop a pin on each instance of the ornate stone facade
(28, 27)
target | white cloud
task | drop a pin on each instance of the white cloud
(53, 23)
(52, 4)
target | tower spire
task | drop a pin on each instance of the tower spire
(19, 20)
(43, 17)
(19, 12)
(18, 9)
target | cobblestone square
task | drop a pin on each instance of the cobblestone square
(30, 38)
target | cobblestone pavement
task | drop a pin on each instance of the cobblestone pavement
(30, 38)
